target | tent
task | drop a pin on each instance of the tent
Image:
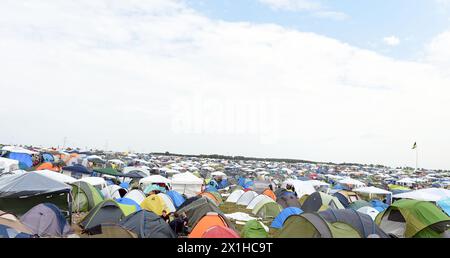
(319, 201)
(136, 195)
(427, 194)
(270, 193)
(46, 220)
(124, 202)
(48, 166)
(412, 218)
(246, 198)
(312, 225)
(254, 229)
(362, 223)
(168, 201)
(288, 199)
(23, 156)
(371, 190)
(220, 232)
(284, 214)
(21, 192)
(108, 171)
(108, 230)
(346, 197)
(114, 192)
(154, 179)
(189, 201)
(187, 184)
(352, 183)
(372, 212)
(198, 208)
(77, 171)
(359, 204)
(154, 203)
(177, 198)
(209, 220)
(85, 196)
(146, 224)
(256, 200)
(8, 232)
(267, 210)
(57, 176)
(444, 204)
(108, 211)
(234, 196)
(8, 165)
(12, 222)
(301, 187)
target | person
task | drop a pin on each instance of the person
(271, 187)
(177, 224)
(165, 216)
(185, 223)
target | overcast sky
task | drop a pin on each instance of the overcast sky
(317, 80)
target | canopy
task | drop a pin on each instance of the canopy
(301, 187)
(57, 176)
(428, 194)
(30, 184)
(186, 178)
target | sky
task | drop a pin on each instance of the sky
(331, 81)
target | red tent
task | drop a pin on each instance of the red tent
(220, 232)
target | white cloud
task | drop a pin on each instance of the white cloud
(391, 41)
(339, 16)
(125, 73)
(438, 50)
(293, 5)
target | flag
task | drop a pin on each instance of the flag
(414, 146)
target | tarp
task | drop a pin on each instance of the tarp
(427, 194)
(30, 184)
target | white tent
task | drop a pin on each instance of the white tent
(18, 149)
(428, 194)
(169, 203)
(301, 187)
(136, 195)
(97, 182)
(116, 161)
(317, 183)
(256, 200)
(234, 196)
(187, 183)
(154, 179)
(111, 191)
(57, 176)
(218, 173)
(371, 190)
(353, 182)
(372, 212)
(8, 165)
(246, 198)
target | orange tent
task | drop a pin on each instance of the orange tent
(211, 219)
(48, 166)
(270, 193)
(210, 196)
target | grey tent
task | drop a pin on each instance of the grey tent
(288, 199)
(21, 192)
(107, 211)
(46, 220)
(363, 223)
(147, 224)
(199, 208)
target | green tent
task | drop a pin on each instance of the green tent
(312, 225)
(319, 201)
(108, 171)
(108, 211)
(268, 210)
(254, 229)
(413, 218)
(85, 197)
(218, 197)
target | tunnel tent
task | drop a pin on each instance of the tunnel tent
(235, 195)
(246, 198)
(256, 200)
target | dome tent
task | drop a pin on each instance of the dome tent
(254, 229)
(108, 211)
(319, 201)
(46, 220)
(147, 224)
(85, 196)
(284, 214)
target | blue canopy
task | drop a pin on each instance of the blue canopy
(128, 201)
(25, 160)
(284, 214)
(176, 197)
(78, 169)
(444, 205)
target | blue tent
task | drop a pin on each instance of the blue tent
(210, 188)
(284, 214)
(128, 201)
(213, 183)
(78, 169)
(444, 205)
(378, 205)
(47, 157)
(25, 160)
(339, 187)
(223, 183)
(7, 232)
(124, 185)
(176, 197)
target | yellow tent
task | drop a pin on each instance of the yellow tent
(155, 204)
